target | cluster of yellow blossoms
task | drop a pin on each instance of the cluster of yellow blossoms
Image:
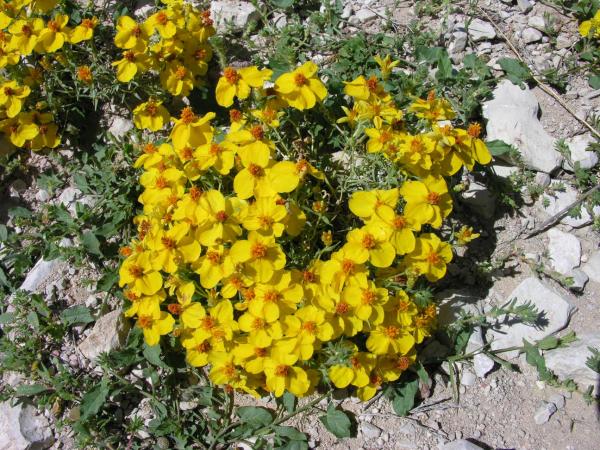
(171, 42)
(208, 266)
(591, 27)
(27, 28)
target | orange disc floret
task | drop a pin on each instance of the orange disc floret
(348, 266)
(403, 363)
(129, 56)
(235, 115)
(221, 216)
(175, 308)
(368, 297)
(282, 370)
(255, 170)
(181, 73)
(258, 324)
(84, 73)
(213, 257)
(391, 331)
(399, 222)
(372, 84)
(136, 271)
(433, 258)
(259, 250)
(368, 241)
(231, 75)
(187, 115)
(474, 130)
(271, 296)
(204, 347)
(342, 308)
(162, 18)
(208, 323)
(300, 79)
(433, 198)
(257, 132)
(145, 321)
(195, 193)
(53, 25)
(310, 327)
(260, 352)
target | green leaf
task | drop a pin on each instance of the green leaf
(404, 399)
(28, 390)
(548, 343)
(444, 67)
(515, 70)
(91, 243)
(535, 358)
(6, 318)
(152, 355)
(498, 147)
(289, 402)
(3, 278)
(337, 422)
(594, 81)
(33, 320)
(108, 280)
(290, 433)
(255, 416)
(19, 211)
(3, 233)
(93, 400)
(76, 314)
(282, 3)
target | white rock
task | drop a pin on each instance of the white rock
(558, 400)
(459, 40)
(41, 273)
(109, 333)
(364, 15)
(531, 35)
(480, 30)
(544, 412)
(237, 14)
(119, 126)
(461, 444)
(537, 22)
(467, 377)
(279, 20)
(454, 302)
(579, 278)
(480, 199)
(525, 5)
(503, 171)
(570, 362)
(579, 154)
(543, 179)
(482, 364)
(592, 267)
(554, 309)
(370, 431)
(347, 11)
(42, 195)
(512, 118)
(22, 428)
(561, 200)
(143, 8)
(564, 250)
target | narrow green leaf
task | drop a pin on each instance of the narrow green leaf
(28, 390)
(515, 70)
(3, 233)
(594, 81)
(289, 402)
(282, 3)
(152, 355)
(94, 400)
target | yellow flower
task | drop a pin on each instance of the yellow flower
(237, 83)
(47, 136)
(265, 215)
(219, 156)
(150, 115)
(465, 235)
(367, 204)
(371, 243)
(355, 372)
(130, 34)
(252, 354)
(432, 108)
(301, 88)
(430, 256)
(402, 236)
(24, 35)
(281, 374)
(140, 274)
(54, 35)
(84, 74)
(276, 299)
(385, 65)
(218, 218)
(261, 330)
(390, 338)
(11, 97)
(427, 201)
(162, 21)
(213, 266)
(173, 246)
(176, 79)
(364, 89)
(591, 26)
(84, 31)
(309, 327)
(191, 130)
(370, 303)
(131, 63)
(20, 129)
(153, 322)
(261, 255)
(393, 366)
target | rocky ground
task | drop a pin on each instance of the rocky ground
(497, 408)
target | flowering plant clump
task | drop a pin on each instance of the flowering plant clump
(591, 27)
(218, 260)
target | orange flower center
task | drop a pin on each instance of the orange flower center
(149, 148)
(187, 115)
(368, 241)
(84, 73)
(221, 216)
(26, 30)
(309, 327)
(206, 20)
(213, 257)
(342, 308)
(175, 308)
(203, 347)
(348, 266)
(433, 198)
(131, 296)
(235, 115)
(195, 193)
(180, 73)
(231, 75)
(129, 56)
(355, 362)
(53, 25)
(385, 136)
(403, 363)
(266, 221)
(271, 296)
(372, 84)
(151, 109)
(433, 258)
(391, 331)
(215, 149)
(137, 31)
(258, 324)
(260, 352)
(368, 297)
(208, 323)
(168, 243)
(403, 305)
(162, 18)
(9, 91)
(399, 222)
(282, 371)
(431, 96)
(300, 80)
(126, 251)
(186, 153)
(309, 277)
(257, 132)
(136, 271)
(43, 129)
(301, 166)
(255, 170)
(145, 321)
(474, 130)
(375, 379)
(88, 23)
(258, 250)
(229, 371)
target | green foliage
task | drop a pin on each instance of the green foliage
(515, 70)
(337, 422)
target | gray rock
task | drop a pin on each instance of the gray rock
(370, 431)
(71, 196)
(109, 333)
(531, 35)
(513, 118)
(482, 364)
(347, 11)
(554, 309)
(557, 400)
(22, 428)
(237, 14)
(461, 444)
(503, 171)
(364, 15)
(467, 377)
(479, 198)
(570, 362)
(544, 412)
(42, 195)
(525, 5)
(41, 273)
(279, 20)
(592, 266)
(563, 41)
(579, 154)
(537, 22)
(579, 278)
(459, 41)
(561, 200)
(119, 126)
(564, 250)
(480, 30)
(453, 303)
(543, 179)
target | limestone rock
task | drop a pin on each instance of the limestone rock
(512, 118)
(453, 302)
(531, 35)
(479, 198)
(554, 310)
(580, 279)
(544, 412)
(22, 428)
(564, 250)
(592, 267)
(579, 154)
(460, 444)
(369, 431)
(561, 200)
(237, 14)
(570, 362)
(480, 30)
(41, 273)
(109, 333)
